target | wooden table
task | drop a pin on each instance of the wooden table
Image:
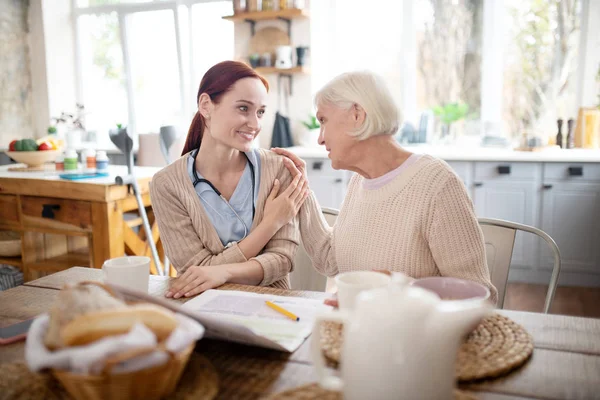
(67, 223)
(565, 363)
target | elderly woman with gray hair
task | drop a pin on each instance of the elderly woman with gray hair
(403, 212)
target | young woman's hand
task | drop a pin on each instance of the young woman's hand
(197, 279)
(281, 208)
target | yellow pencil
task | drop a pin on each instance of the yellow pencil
(282, 310)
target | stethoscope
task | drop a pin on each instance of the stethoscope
(197, 180)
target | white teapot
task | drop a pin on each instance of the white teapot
(400, 342)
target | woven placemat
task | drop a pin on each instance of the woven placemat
(199, 381)
(497, 346)
(314, 391)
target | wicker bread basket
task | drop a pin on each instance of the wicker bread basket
(149, 384)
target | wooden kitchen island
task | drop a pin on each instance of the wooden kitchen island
(65, 223)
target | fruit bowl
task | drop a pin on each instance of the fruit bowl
(33, 158)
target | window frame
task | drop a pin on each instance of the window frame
(123, 11)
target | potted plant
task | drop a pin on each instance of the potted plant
(450, 113)
(313, 129)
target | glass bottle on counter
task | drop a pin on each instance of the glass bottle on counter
(570, 134)
(70, 161)
(101, 162)
(559, 135)
(59, 163)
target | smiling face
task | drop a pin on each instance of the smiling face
(336, 125)
(235, 120)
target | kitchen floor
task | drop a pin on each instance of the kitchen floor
(576, 301)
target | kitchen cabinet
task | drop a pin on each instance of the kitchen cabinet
(570, 213)
(328, 184)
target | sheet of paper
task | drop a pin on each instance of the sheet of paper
(243, 317)
(249, 310)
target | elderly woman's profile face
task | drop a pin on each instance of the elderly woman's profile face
(336, 123)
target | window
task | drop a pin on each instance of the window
(540, 65)
(154, 69)
(347, 35)
(102, 71)
(140, 61)
(449, 53)
(463, 69)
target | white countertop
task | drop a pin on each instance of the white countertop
(50, 174)
(451, 153)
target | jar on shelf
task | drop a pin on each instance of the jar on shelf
(240, 6)
(254, 5)
(268, 5)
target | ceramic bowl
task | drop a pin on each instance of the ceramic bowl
(448, 288)
(33, 158)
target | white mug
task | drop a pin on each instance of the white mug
(350, 284)
(131, 272)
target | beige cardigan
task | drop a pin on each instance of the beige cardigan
(422, 223)
(189, 237)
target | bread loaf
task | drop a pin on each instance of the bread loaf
(92, 326)
(72, 302)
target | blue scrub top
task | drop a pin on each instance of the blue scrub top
(228, 226)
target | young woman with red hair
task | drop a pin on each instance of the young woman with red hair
(220, 214)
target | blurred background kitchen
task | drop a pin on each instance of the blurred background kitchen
(484, 84)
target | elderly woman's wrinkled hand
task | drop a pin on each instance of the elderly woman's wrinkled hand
(298, 163)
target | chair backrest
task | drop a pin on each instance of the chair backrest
(499, 237)
(304, 276)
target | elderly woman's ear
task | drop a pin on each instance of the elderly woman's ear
(358, 115)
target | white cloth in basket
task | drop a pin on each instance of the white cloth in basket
(90, 359)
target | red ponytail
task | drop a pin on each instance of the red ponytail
(216, 82)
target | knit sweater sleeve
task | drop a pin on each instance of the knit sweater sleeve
(317, 237)
(455, 237)
(277, 258)
(183, 245)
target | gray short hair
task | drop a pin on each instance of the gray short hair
(369, 91)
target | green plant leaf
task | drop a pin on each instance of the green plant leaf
(311, 123)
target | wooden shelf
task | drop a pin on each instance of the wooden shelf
(273, 70)
(292, 13)
(78, 258)
(14, 261)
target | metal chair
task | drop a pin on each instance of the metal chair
(167, 136)
(304, 276)
(499, 238)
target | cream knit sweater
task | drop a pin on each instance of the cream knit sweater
(189, 237)
(422, 223)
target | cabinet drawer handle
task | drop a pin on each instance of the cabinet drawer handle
(338, 180)
(478, 184)
(317, 165)
(575, 171)
(504, 169)
(48, 210)
(547, 187)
